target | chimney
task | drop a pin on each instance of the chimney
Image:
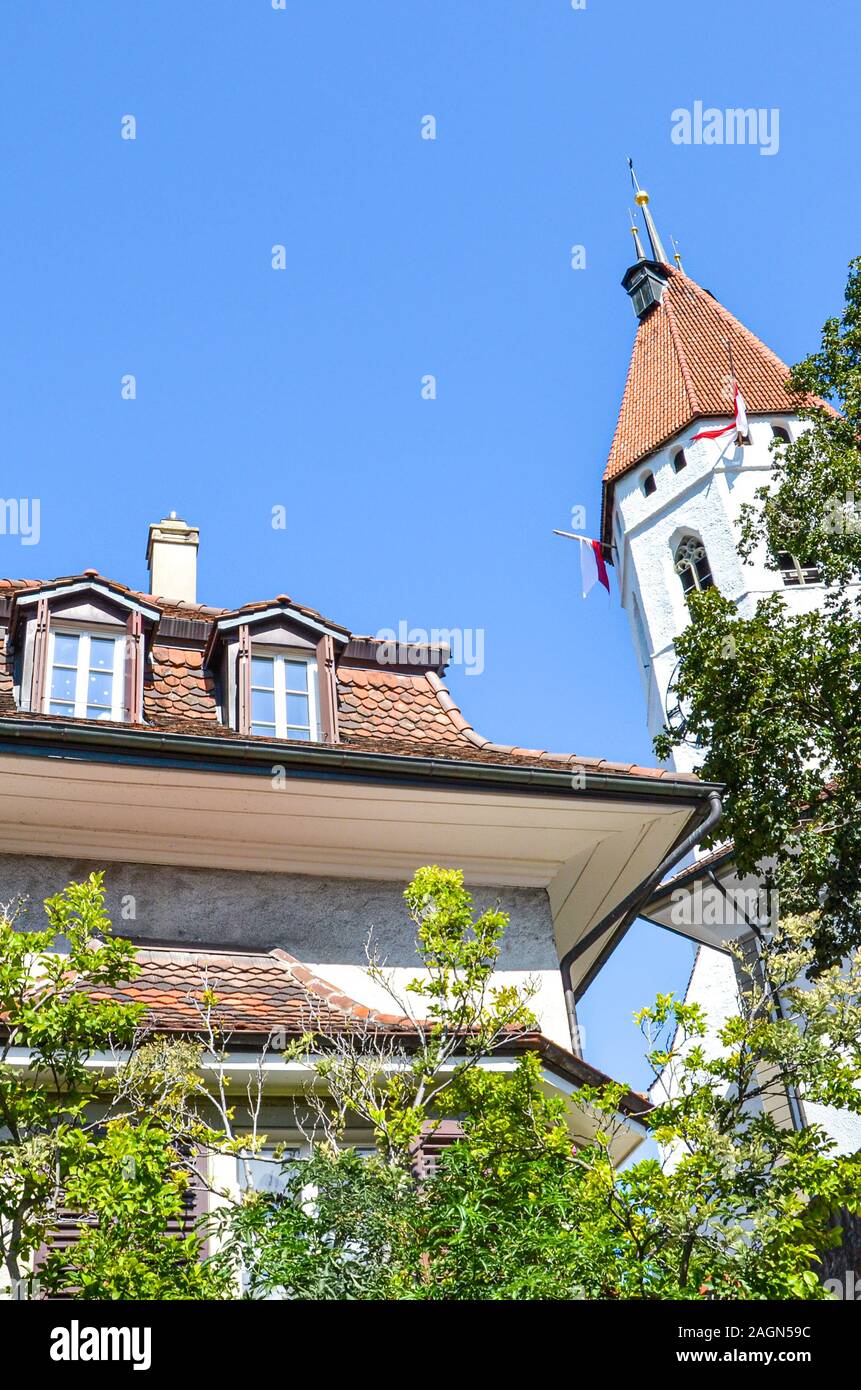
(171, 555)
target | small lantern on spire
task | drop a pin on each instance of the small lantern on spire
(645, 281)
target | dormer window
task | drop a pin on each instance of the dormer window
(648, 484)
(284, 702)
(85, 674)
(78, 649)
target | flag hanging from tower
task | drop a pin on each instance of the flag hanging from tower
(593, 570)
(739, 423)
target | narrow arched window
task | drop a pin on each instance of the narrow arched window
(648, 483)
(692, 564)
(782, 433)
(679, 460)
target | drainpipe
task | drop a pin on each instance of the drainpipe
(629, 908)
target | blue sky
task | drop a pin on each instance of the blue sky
(405, 257)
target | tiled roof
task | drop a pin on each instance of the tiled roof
(679, 372)
(255, 994)
(260, 993)
(381, 709)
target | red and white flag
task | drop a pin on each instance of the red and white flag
(739, 424)
(592, 568)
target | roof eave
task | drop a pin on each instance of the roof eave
(95, 742)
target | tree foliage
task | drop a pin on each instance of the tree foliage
(740, 1206)
(97, 1123)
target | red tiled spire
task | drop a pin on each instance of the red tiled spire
(679, 372)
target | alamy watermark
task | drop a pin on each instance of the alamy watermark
(736, 125)
(77, 1343)
(415, 646)
(706, 905)
(21, 517)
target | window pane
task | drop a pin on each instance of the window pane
(297, 710)
(99, 712)
(263, 672)
(267, 1176)
(101, 654)
(100, 688)
(65, 711)
(296, 675)
(264, 730)
(65, 649)
(304, 735)
(262, 707)
(63, 684)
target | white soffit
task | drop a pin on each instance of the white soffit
(587, 851)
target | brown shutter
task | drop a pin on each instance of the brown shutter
(243, 681)
(327, 685)
(66, 1231)
(40, 657)
(425, 1151)
(133, 675)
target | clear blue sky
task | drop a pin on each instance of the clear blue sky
(405, 257)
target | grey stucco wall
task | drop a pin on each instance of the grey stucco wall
(317, 919)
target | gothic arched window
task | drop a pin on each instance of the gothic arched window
(692, 564)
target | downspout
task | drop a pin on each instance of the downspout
(625, 912)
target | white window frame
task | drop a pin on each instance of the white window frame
(280, 656)
(85, 636)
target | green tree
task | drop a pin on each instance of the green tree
(48, 1011)
(111, 1142)
(740, 1205)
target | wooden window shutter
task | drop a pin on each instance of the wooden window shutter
(436, 1136)
(327, 684)
(243, 681)
(66, 1231)
(133, 674)
(195, 1203)
(40, 657)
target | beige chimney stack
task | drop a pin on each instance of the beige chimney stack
(171, 555)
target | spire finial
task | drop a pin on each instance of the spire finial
(676, 254)
(641, 198)
(635, 233)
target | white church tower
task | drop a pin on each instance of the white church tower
(671, 507)
(671, 523)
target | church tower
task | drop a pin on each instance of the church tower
(670, 516)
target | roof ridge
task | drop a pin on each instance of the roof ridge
(680, 354)
(332, 995)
